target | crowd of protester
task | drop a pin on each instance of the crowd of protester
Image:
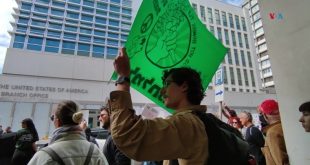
(178, 139)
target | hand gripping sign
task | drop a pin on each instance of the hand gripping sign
(168, 34)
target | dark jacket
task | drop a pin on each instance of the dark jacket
(113, 154)
(256, 141)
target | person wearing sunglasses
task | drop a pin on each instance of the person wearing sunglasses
(68, 144)
(181, 137)
(113, 154)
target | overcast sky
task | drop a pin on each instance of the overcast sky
(6, 8)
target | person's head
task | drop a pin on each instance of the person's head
(28, 124)
(182, 87)
(236, 122)
(232, 113)
(270, 110)
(8, 129)
(245, 118)
(67, 114)
(305, 117)
(104, 117)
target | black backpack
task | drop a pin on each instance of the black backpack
(226, 145)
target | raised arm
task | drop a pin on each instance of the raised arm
(122, 68)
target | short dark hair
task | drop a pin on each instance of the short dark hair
(195, 92)
(105, 108)
(305, 107)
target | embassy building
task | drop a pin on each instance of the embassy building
(64, 50)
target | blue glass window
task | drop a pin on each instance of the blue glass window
(98, 51)
(111, 52)
(99, 26)
(113, 22)
(113, 35)
(113, 28)
(83, 49)
(19, 41)
(87, 9)
(25, 13)
(102, 13)
(101, 20)
(36, 15)
(53, 34)
(87, 17)
(40, 9)
(72, 21)
(115, 1)
(57, 12)
(102, 5)
(88, 3)
(52, 45)
(87, 24)
(126, 25)
(85, 31)
(126, 11)
(56, 19)
(112, 42)
(75, 1)
(124, 37)
(44, 1)
(37, 31)
(38, 23)
(23, 20)
(99, 33)
(35, 43)
(68, 47)
(55, 26)
(73, 7)
(21, 28)
(114, 15)
(85, 38)
(128, 18)
(26, 6)
(73, 15)
(237, 22)
(115, 8)
(125, 30)
(70, 36)
(99, 40)
(58, 3)
(71, 28)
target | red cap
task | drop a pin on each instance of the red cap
(269, 107)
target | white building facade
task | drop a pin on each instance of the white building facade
(261, 49)
(64, 50)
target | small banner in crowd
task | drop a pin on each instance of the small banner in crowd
(168, 34)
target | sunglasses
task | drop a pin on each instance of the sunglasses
(52, 117)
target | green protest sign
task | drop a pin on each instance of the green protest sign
(168, 34)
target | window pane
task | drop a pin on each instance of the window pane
(26, 6)
(6, 110)
(126, 11)
(98, 51)
(22, 111)
(57, 12)
(68, 47)
(111, 52)
(40, 9)
(41, 115)
(83, 49)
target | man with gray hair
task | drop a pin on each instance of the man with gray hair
(253, 136)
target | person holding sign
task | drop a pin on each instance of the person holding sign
(181, 136)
